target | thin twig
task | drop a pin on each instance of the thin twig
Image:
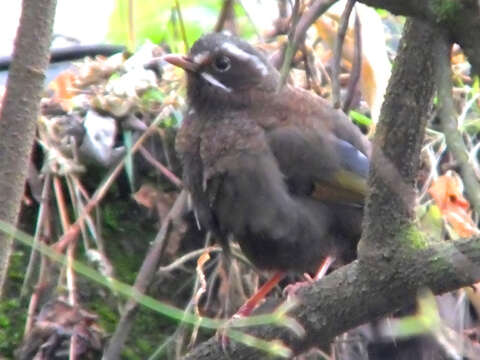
(187, 257)
(311, 70)
(307, 19)
(356, 68)
(448, 119)
(41, 219)
(291, 47)
(73, 231)
(62, 208)
(337, 52)
(182, 26)
(225, 15)
(162, 168)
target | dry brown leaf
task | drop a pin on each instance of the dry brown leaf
(446, 191)
(375, 64)
(64, 89)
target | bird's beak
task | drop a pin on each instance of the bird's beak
(182, 61)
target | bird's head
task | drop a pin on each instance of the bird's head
(225, 72)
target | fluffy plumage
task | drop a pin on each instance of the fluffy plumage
(283, 172)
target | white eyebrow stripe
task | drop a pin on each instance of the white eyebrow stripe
(243, 55)
(235, 50)
(215, 82)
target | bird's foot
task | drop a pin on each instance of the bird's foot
(291, 290)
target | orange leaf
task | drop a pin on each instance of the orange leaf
(64, 89)
(446, 191)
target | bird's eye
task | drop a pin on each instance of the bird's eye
(222, 63)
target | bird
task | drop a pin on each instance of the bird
(277, 168)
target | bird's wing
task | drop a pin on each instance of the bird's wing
(319, 164)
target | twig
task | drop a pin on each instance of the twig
(313, 75)
(356, 68)
(82, 192)
(42, 275)
(41, 219)
(62, 208)
(453, 137)
(225, 15)
(337, 52)
(187, 257)
(102, 190)
(291, 47)
(162, 168)
(182, 25)
(307, 19)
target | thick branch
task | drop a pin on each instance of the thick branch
(351, 296)
(20, 110)
(398, 140)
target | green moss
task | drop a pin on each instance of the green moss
(112, 213)
(414, 239)
(149, 331)
(446, 10)
(12, 320)
(107, 317)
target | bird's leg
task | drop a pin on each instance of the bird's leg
(291, 289)
(247, 308)
(322, 270)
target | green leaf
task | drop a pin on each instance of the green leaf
(426, 320)
(359, 118)
(158, 21)
(151, 97)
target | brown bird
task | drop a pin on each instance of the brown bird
(280, 170)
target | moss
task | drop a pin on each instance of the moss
(128, 232)
(12, 321)
(414, 239)
(446, 10)
(112, 213)
(149, 331)
(107, 317)
(127, 236)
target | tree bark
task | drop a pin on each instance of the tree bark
(19, 112)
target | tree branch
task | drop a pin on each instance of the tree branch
(20, 110)
(449, 123)
(354, 295)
